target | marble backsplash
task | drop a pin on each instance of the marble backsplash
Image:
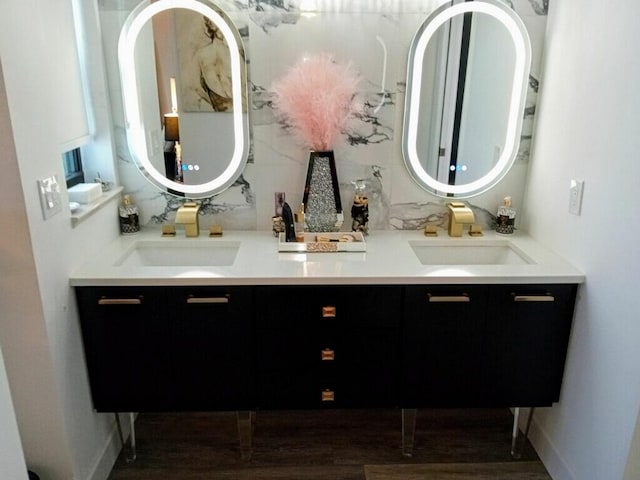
(276, 36)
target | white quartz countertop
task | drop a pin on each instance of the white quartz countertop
(389, 259)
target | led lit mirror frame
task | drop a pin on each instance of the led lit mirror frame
(136, 134)
(518, 34)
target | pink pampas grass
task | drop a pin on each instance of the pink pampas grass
(315, 97)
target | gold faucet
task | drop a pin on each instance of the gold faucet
(459, 215)
(187, 215)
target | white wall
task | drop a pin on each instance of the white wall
(12, 463)
(588, 126)
(62, 437)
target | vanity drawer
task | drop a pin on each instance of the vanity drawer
(324, 389)
(353, 349)
(291, 306)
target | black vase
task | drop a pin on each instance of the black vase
(322, 204)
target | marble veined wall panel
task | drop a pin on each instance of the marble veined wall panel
(374, 36)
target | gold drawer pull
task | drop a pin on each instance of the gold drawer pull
(534, 298)
(328, 312)
(192, 299)
(328, 395)
(464, 298)
(328, 355)
(120, 301)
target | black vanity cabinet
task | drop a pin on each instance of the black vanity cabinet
(179, 348)
(485, 346)
(167, 348)
(327, 346)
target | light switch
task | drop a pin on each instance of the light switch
(575, 196)
(50, 199)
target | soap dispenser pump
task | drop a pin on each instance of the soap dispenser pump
(506, 217)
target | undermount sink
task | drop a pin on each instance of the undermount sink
(179, 253)
(468, 253)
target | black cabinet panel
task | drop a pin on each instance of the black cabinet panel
(491, 346)
(167, 349)
(442, 345)
(211, 339)
(125, 332)
(528, 330)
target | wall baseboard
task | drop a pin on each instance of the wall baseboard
(547, 452)
(107, 458)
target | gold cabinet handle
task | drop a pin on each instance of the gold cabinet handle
(218, 300)
(534, 298)
(463, 298)
(328, 311)
(120, 301)
(328, 355)
(328, 395)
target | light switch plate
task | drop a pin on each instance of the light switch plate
(50, 199)
(575, 196)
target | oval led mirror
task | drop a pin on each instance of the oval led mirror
(466, 89)
(184, 90)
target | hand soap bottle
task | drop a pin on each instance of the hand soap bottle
(506, 217)
(128, 216)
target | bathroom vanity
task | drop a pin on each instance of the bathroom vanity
(381, 328)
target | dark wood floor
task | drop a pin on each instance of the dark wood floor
(330, 444)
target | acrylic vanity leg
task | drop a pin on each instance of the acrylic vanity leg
(408, 430)
(132, 425)
(515, 452)
(514, 432)
(245, 424)
(130, 458)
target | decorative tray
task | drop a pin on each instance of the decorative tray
(321, 242)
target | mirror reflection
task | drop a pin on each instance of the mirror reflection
(468, 70)
(184, 90)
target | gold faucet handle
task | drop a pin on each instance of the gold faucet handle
(168, 230)
(475, 230)
(215, 231)
(430, 230)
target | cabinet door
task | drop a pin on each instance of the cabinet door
(528, 330)
(442, 345)
(125, 333)
(211, 344)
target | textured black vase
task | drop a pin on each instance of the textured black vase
(322, 204)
